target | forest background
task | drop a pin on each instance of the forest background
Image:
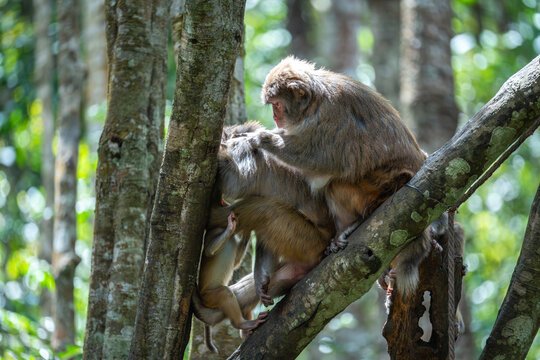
(492, 40)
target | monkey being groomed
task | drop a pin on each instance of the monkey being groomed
(293, 229)
(350, 144)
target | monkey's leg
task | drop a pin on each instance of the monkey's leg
(223, 298)
(266, 265)
(216, 243)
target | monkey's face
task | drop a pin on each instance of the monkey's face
(278, 111)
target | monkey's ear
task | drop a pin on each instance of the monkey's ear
(297, 88)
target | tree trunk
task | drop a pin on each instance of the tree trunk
(128, 162)
(427, 81)
(96, 58)
(519, 316)
(211, 38)
(402, 330)
(446, 175)
(425, 58)
(43, 77)
(64, 259)
(385, 25)
(299, 23)
(176, 16)
(346, 19)
(226, 338)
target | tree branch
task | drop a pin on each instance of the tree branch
(445, 176)
(519, 317)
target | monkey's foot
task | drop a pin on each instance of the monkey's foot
(337, 243)
(231, 221)
(266, 299)
(251, 325)
(436, 246)
(464, 270)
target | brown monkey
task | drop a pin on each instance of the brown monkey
(292, 227)
(301, 225)
(348, 141)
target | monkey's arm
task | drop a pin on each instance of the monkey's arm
(300, 152)
(241, 249)
(217, 238)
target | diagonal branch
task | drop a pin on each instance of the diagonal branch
(445, 176)
(519, 317)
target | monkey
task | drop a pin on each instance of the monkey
(350, 144)
(244, 171)
(293, 228)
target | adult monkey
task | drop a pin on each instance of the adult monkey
(293, 229)
(349, 142)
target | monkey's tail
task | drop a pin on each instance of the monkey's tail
(208, 339)
(407, 262)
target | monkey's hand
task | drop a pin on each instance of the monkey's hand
(261, 319)
(265, 138)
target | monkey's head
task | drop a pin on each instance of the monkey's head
(289, 87)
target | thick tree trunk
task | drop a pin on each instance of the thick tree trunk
(385, 25)
(128, 162)
(445, 176)
(519, 316)
(64, 259)
(96, 56)
(427, 80)
(43, 77)
(211, 38)
(226, 338)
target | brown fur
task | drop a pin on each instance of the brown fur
(273, 200)
(336, 130)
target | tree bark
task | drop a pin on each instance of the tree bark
(385, 25)
(211, 37)
(402, 330)
(445, 176)
(96, 56)
(128, 161)
(43, 78)
(519, 316)
(226, 338)
(176, 15)
(427, 81)
(64, 259)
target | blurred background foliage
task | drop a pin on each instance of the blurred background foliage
(492, 41)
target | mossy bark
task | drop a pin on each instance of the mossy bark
(225, 337)
(344, 277)
(211, 37)
(128, 161)
(519, 317)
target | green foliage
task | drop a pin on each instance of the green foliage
(492, 42)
